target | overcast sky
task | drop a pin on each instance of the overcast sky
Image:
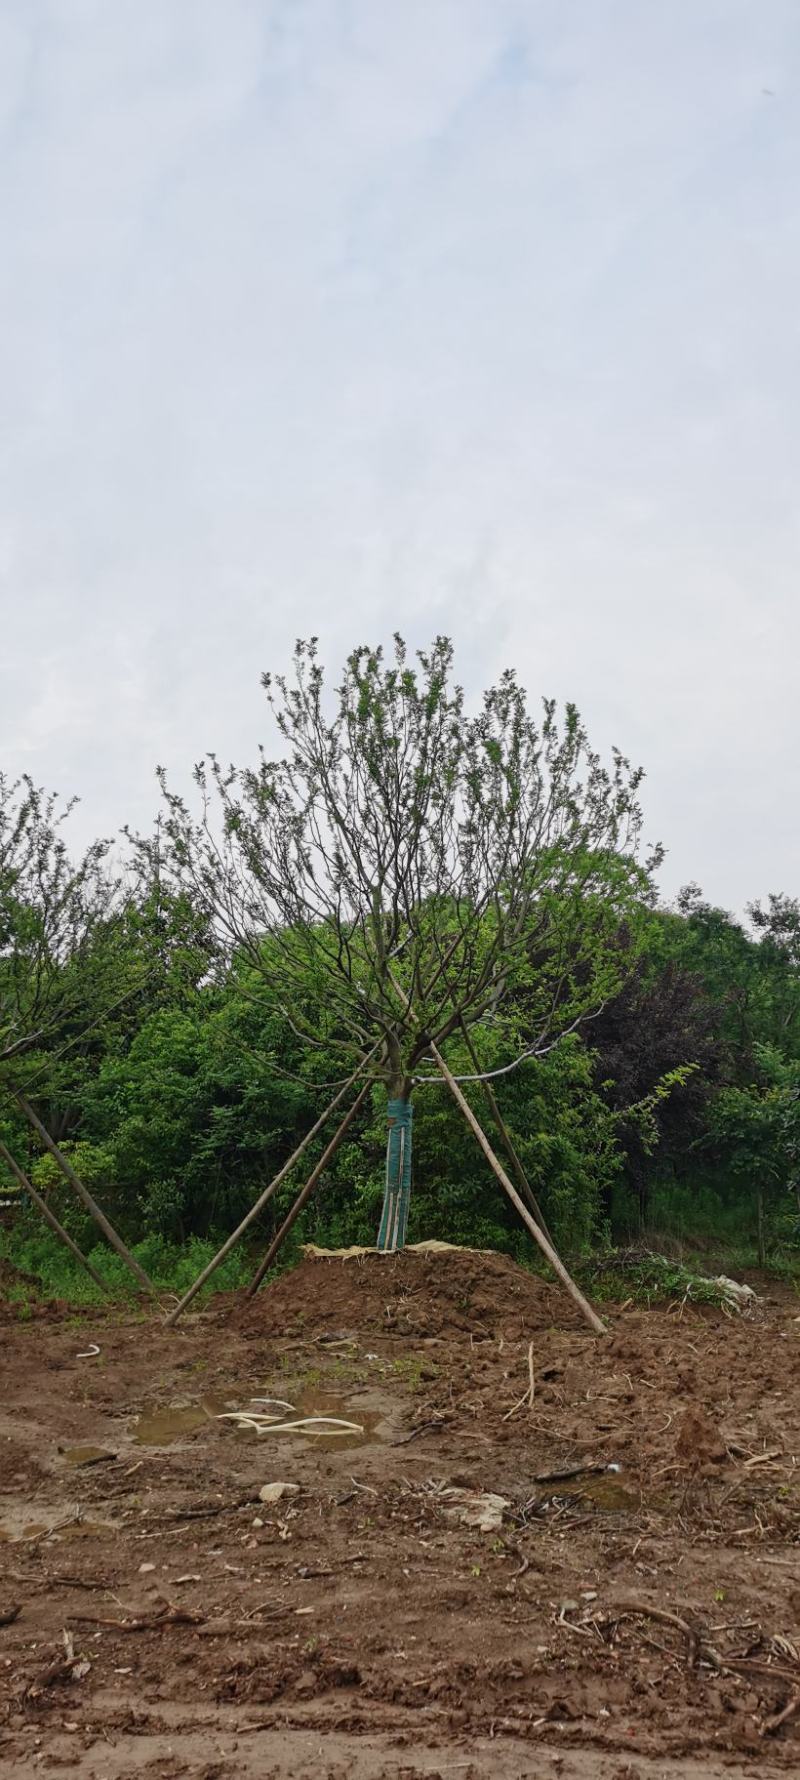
(339, 316)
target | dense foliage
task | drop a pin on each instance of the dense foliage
(661, 1094)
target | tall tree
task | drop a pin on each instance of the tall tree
(661, 1019)
(401, 862)
(758, 1128)
(778, 928)
(56, 913)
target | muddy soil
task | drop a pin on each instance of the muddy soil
(599, 1584)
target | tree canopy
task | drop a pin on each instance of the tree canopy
(408, 869)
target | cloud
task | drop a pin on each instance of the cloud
(333, 317)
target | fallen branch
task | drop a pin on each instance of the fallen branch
(152, 1622)
(71, 1520)
(424, 1428)
(643, 1610)
(57, 1674)
(771, 1725)
(568, 1472)
(207, 1512)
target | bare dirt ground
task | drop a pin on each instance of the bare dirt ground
(381, 1617)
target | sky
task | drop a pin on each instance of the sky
(339, 317)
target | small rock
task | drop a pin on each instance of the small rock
(146, 1569)
(483, 1510)
(272, 1492)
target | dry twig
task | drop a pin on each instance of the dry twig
(152, 1622)
(529, 1393)
(771, 1725)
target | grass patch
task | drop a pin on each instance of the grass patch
(650, 1278)
(49, 1273)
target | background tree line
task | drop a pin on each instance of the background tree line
(180, 1074)
(173, 1111)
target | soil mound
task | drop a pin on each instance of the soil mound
(417, 1293)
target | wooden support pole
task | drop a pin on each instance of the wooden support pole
(255, 1210)
(538, 1235)
(305, 1193)
(50, 1217)
(522, 1179)
(85, 1196)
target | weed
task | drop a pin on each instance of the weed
(53, 1274)
(648, 1277)
(414, 1371)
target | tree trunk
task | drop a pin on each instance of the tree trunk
(762, 1253)
(397, 1191)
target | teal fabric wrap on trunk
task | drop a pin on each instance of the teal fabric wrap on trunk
(394, 1217)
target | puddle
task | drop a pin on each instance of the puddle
(87, 1455)
(19, 1532)
(604, 1492)
(319, 1402)
(367, 1411)
(163, 1424)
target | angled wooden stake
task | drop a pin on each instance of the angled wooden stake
(305, 1192)
(85, 1196)
(538, 1235)
(522, 1179)
(261, 1201)
(50, 1217)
